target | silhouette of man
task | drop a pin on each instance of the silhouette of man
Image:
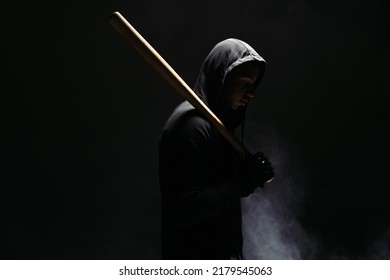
(202, 177)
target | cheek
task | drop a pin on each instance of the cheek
(233, 94)
(234, 100)
(233, 97)
(237, 94)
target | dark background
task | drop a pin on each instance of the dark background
(81, 114)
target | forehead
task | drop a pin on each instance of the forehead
(247, 69)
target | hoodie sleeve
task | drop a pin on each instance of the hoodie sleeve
(195, 193)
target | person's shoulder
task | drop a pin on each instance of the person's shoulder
(188, 134)
(187, 125)
(186, 118)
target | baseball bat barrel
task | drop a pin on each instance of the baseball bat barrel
(123, 27)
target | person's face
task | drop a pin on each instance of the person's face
(240, 85)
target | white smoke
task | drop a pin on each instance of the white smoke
(271, 228)
(380, 247)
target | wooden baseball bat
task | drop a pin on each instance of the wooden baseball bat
(166, 71)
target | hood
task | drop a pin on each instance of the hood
(222, 59)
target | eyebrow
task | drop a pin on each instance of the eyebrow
(247, 79)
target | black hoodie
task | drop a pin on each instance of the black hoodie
(201, 210)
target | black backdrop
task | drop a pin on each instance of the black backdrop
(81, 114)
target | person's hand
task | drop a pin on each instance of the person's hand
(254, 172)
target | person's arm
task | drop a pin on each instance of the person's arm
(196, 199)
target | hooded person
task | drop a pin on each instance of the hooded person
(202, 177)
